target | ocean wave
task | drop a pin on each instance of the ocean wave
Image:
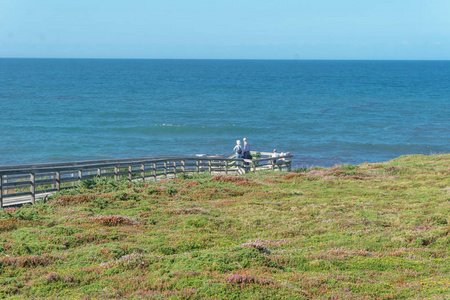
(174, 129)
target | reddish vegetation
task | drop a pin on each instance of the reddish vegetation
(27, 261)
(76, 199)
(224, 178)
(8, 224)
(183, 294)
(237, 279)
(190, 184)
(114, 220)
(292, 176)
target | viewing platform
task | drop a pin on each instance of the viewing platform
(20, 184)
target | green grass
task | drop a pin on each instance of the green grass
(373, 231)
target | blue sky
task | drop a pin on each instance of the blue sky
(245, 29)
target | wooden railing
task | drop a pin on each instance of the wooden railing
(26, 183)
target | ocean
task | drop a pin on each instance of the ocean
(323, 112)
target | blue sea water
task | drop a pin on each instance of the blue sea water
(323, 112)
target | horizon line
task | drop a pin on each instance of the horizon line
(267, 59)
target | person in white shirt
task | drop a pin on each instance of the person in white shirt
(238, 149)
(275, 154)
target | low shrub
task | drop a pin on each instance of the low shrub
(28, 261)
(65, 200)
(245, 279)
(114, 220)
(9, 224)
(224, 178)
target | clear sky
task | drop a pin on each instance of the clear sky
(226, 29)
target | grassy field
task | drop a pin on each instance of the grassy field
(373, 231)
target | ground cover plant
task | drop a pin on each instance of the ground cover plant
(372, 231)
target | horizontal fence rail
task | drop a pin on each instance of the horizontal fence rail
(26, 183)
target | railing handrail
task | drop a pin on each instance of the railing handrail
(49, 167)
(7, 170)
(39, 176)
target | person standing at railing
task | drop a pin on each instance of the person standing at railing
(275, 154)
(246, 150)
(238, 149)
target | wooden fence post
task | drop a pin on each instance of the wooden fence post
(80, 176)
(154, 171)
(175, 168)
(32, 188)
(226, 167)
(143, 172)
(1, 191)
(58, 180)
(53, 177)
(198, 166)
(99, 173)
(130, 173)
(183, 166)
(209, 167)
(6, 181)
(165, 169)
(116, 175)
(73, 181)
